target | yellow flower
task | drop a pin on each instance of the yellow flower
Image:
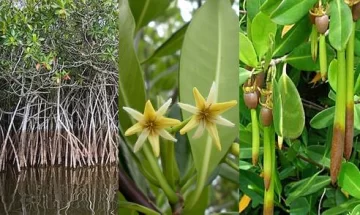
(207, 114)
(151, 124)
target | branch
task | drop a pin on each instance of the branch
(132, 193)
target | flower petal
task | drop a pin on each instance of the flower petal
(164, 122)
(200, 130)
(218, 108)
(199, 99)
(212, 94)
(134, 129)
(167, 135)
(188, 108)
(154, 141)
(222, 121)
(134, 113)
(149, 112)
(211, 127)
(162, 110)
(190, 125)
(140, 141)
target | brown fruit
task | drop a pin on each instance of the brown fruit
(349, 131)
(322, 23)
(337, 149)
(251, 99)
(356, 11)
(266, 116)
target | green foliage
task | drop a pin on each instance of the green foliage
(302, 108)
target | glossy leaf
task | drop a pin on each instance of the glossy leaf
(343, 208)
(290, 11)
(301, 58)
(247, 53)
(293, 38)
(201, 205)
(318, 154)
(323, 119)
(332, 74)
(348, 179)
(293, 116)
(253, 7)
(340, 24)
(244, 75)
(146, 10)
(130, 72)
(210, 53)
(300, 207)
(252, 185)
(261, 29)
(136, 207)
(306, 187)
(357, 117)
(170, 46)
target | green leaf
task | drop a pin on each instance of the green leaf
(323, 119)
(332, 74)
(318, 154)
(296, 35)
(253, 8)
(340, 25)
(290, 11)
(306, 187)
(301, 58)
(261, 30)
(349, 179)
(201, 204)
(244, 75)
(343, 208)
(131, 82)
(136, 207)
(170, 46)
(292, 121)
(247, 53)
(357, 117)
(145, 11)
(252, 185)
(356, 210)
(300, 207)
(205, 61)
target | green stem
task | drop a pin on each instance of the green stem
(323, 57)
(231, 164)
(341, 90)
(168, 162)
(269, 141)
(169, 192)
(190, 172)
(349, 124)
(255, 137)
(267, 157)
(188, 183)
(177, 128)
(314, 42)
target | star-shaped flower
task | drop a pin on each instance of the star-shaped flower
(207, 114)
(151, 124)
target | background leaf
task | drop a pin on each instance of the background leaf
(261, 30)
(349, 179)
(293, 116)
(247, 52)
(323, 119)
(340, 25)
(146, 10)
(301, 58)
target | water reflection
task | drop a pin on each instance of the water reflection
(56, 190)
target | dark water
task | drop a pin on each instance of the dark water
(56, 190)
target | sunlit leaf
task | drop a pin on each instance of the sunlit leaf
(340, 25)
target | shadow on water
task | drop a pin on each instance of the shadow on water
(56, 190)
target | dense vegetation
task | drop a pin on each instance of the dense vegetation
(300, 111)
